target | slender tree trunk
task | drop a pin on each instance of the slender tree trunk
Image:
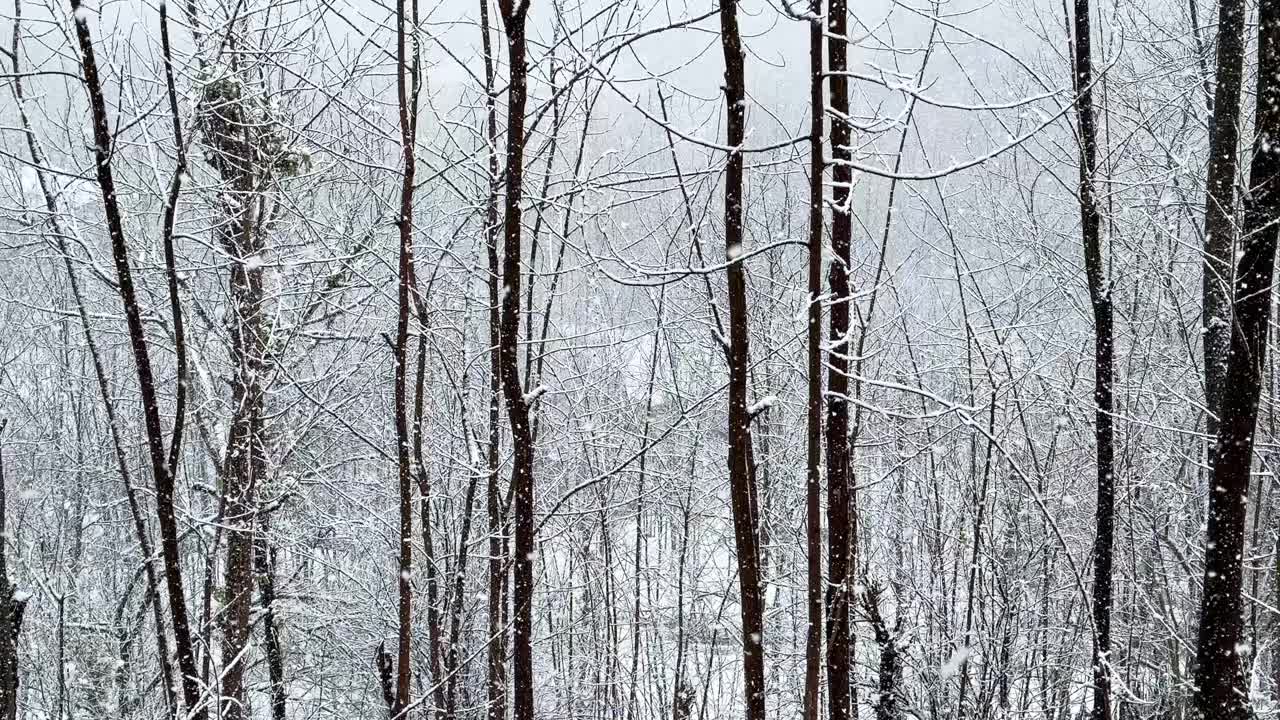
(435, 627)
(407, 94)
(61, 234)
(979, 519)
(840, 540)
(1221, 685)
(457, 603)
(170, 260)
(514, 13)
(264, 559)
(889, 687)
(641, 545)
(11, 610)
(741, 467)
(1100, 300)
(496, 685)
(163, 477)
(813, 416)
(683, 693)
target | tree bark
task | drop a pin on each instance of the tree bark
(245, 466)
(840, 538)
(1221, 683)
(436, 651)
(264, 558)
(163, 478)
(1100, 301)
(11, 611)
(234, 135)
(1219, 210)
(741, 467)
(496, 684)
(890, 668)
(813, 415)
(399, 698)
(514, 13)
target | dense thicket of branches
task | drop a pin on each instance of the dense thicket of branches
(565, 359)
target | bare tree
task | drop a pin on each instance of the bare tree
(496, 680)
(841, 513)
(889, 689)
(12, 607)
(1100, 301)
(742, 471)
(242, 141)
(514, 13)
(1220, 205)
(161, 474)
(1221, 688)
(814, 401)
(264, 561)
(398, 696)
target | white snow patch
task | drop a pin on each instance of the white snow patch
(534, 394)
(955, 662)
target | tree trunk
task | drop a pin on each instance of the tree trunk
(1219, 211)
(1100, 300)
(813, 416)
(435, 638)
(514, 13)
(245, 465)
(741, 467)
(61, 235)
(890, 669)
(264, 567)
(496, 685)
(840, 540)
(161, 473)
(11, 610)
(1221, 684)
(407, 95)
(457, 603)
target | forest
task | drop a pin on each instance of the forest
(639, 359)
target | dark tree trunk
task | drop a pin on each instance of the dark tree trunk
(1219, 211)
(496, 684)
(457, 603)
(232, 139)
(11, 610)
(233, 136)
(61, 235)
(840, 524)
(407, 96)
(170, 260)
(435, 637)
(245, 465)
(741, 467)
(813, 416)
(161, 473)
(1100, 300)
(514, 13)
(264, 559)
(890, 670)
(1221, 684)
